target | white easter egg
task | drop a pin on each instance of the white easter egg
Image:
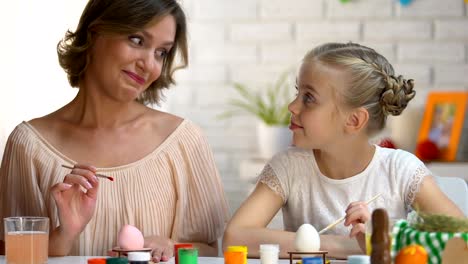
(307, 239)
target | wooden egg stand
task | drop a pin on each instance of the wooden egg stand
(292, 253)
(123, 252)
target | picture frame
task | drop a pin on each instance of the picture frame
(443, 123)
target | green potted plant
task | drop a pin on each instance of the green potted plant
(270, 106)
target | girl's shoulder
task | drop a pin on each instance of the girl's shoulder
(400, 165)
(397, 157)
(292, 156)
(292, 162)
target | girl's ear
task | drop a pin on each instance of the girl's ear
(357, 120)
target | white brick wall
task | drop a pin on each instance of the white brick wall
(432, 52)
(422, 74)
(432, 8)
(451, 75)
(329, 31)
(261, 32)
(200, 32)
(453, 29)
(282, 53)
(224, 10)
(299, 9)
(397, 30)
(216, 54)
(358, 9)
(252, 41)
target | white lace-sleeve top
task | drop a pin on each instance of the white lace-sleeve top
(311, 197)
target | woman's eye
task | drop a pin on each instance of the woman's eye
(136, 40)
(161, 54)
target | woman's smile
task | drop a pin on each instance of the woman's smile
(137, 78)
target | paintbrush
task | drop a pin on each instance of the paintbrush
(343, 218)
(97, 175)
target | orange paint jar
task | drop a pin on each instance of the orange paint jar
(234, 257)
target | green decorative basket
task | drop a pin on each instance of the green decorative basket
(434, 242)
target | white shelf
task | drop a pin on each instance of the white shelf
(449, 169)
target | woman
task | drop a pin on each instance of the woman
(121, 56)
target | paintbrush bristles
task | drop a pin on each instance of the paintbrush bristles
(97, 175)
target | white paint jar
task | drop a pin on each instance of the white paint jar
(269, 253)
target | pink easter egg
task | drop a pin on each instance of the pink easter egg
(130, 238)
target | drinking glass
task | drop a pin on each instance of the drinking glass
(26, 240)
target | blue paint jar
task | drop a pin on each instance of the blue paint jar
(312, 260)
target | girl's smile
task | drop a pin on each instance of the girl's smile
(293, 126)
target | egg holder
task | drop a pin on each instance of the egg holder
(123, 252)
(292, 253)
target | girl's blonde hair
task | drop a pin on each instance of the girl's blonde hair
(373, 84)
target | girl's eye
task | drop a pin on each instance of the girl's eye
(308, 99)
(136, 40)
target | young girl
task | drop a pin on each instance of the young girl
(344, 94)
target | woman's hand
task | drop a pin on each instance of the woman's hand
(162, 249)
(357, 214)
(76, 199)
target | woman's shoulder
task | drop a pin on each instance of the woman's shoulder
(22, 133)
(181, 129)
(23, 139)
(43, 125)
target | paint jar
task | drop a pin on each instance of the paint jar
(188, 255)
(138, 257)
(358, 259)
(242, 249)
(176, 250)
(312, 260)
(116, 261)
(97, 261)
(269, 253)
(233, 257)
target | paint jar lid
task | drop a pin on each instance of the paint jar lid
(358, 259)
(237, 248)
(269, 248)
(116, 261)
(139, 256)
(97, 261)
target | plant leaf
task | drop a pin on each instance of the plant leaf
(269, 104)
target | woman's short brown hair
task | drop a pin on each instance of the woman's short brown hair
(123, 17)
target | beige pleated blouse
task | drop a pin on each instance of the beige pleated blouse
(173, 192)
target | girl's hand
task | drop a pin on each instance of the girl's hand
(162, 249)
(76, 199)
(357, 214)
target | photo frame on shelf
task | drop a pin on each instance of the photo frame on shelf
(444, 123)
